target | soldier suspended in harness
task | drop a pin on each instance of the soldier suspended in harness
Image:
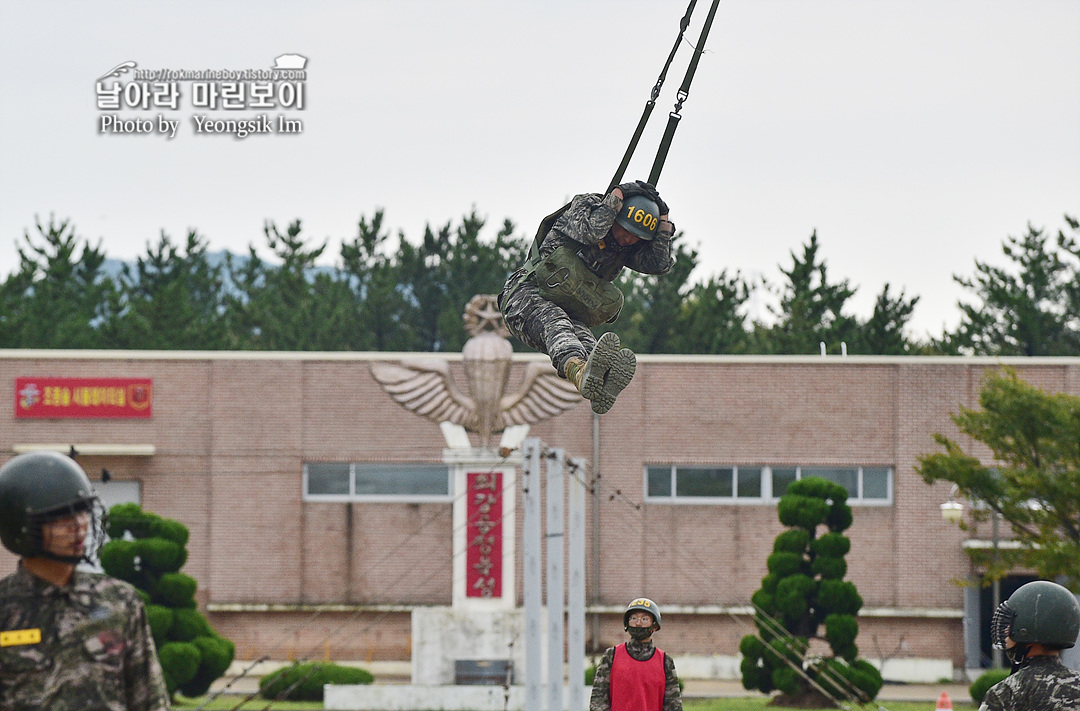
(565, 288)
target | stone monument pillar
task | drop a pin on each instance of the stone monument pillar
(483, 627)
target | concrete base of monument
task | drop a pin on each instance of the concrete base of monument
(431, 698)
(444, 636)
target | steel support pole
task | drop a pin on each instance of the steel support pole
(575, 593)
(995, 586)
(556, 577)
(532, 574)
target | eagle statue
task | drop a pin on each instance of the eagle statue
(425, 387)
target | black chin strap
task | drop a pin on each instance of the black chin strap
(1017, 654)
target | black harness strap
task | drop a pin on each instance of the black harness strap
(545, 226)
(684, 91)
(683, 24)
(673, 120)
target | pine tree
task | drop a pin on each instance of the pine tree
(811, 308)
(375, 281)
(1029, 308)
(652, 304)
(291, 306)
(883, 333)
(170, 299)
(60, 293)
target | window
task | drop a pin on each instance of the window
(704, 483)
(760, 484)
(344, 481)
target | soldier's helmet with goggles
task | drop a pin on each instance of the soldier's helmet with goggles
(639, 216)
(643, 604)
(1039, 611)
(37, 488)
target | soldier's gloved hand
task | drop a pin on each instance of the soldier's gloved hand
(629, 190)
(649, 191)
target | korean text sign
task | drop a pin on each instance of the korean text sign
(85, 398)
(483, 534)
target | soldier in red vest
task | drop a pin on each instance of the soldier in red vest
(637, 676)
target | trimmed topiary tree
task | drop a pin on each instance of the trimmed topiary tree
(148, 551)
(803, 593)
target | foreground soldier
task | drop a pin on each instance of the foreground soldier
(69, 640)
(636, 676)
(1033, 626)
(565, 288)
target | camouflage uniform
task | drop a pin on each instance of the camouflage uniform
(95, 652)
(544, 326)
(1042, 684)
(641, 651)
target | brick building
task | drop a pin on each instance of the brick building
(320, 510)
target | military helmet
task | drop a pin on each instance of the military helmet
(38, 487)
(1039, 611)
(640, 216)
(645, 605)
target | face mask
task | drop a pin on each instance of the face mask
(640, 633)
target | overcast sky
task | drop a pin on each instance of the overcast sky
(913, 135)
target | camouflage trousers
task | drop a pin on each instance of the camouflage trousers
(542, 325)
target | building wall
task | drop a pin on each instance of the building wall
(232, 431)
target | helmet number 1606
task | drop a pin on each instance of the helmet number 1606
(641, 217)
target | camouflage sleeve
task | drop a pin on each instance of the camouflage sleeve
(145, 682)
(994, 699)
(653, 257)
(672, 695)
(601, 696)
(589, 217)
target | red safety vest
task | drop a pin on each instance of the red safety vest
(637, 686)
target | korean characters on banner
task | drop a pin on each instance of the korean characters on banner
(484, 535)
(84, 398)
(268, 93)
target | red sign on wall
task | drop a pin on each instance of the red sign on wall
(483, 533)
(94, 398)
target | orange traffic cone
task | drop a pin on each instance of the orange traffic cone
(943, 703)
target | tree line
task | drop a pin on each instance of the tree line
(387, 294)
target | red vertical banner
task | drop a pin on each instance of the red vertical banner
(483, 534)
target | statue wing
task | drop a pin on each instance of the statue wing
(425, 388)
(543, 394)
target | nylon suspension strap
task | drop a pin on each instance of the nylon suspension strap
(617, 178)
(684, 92)
(683, 24)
